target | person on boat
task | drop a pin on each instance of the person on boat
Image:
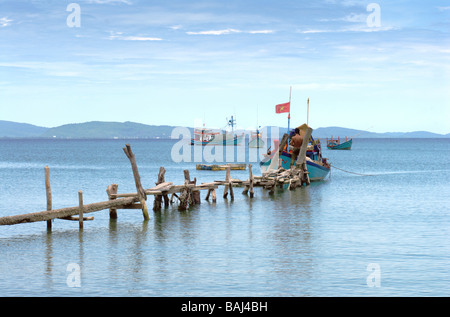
(296, 143)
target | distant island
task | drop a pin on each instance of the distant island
(132, 130)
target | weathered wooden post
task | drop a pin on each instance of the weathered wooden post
(250, 178)
(196, 194)
(249, 186)
(137, 179)
(228, 184)
(158, 198)
(80, 202)
(48, 192)
(208, 193)
(301, 158)
(112, 190)
(185, 193)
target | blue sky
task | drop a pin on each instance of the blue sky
(175, 62)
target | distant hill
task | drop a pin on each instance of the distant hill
(336, 132)
(97, 129)
(11, 129)
(352, 133)
(127, 130)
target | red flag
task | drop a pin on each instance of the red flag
(283, 107)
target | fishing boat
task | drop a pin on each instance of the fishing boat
(210, 137)
(333, 144)
(256, 140)
(317, 166)
(216, 167)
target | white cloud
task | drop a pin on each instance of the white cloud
(262, 32)
(353, 17)
(443, 8)
(229, 31)
(5, 22)
(140, 38)
(119, 36)
(215, 32)
(314, 31)
(109, 1)
(351, 29)
(327, 86)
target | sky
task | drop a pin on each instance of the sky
(379, 66)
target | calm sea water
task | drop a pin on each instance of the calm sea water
(381, 235)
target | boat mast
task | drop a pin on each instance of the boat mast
(231, 123)
(307, 114)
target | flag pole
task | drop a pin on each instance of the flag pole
(289, 115)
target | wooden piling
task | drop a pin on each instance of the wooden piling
(185, 193)
(112, 190)
(228, 184)
(80, 202)
(250, 179)
(137, 179)
(209, 193)
(158, 198)
(249, 185)
(48, 192)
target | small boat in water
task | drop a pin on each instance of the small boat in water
(317, 166)
(337, 145)
(210, 137)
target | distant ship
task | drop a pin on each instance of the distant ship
(337, 145)
(210, 137)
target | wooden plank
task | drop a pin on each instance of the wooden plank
(72, 218)
(65, 212)
(172, 189)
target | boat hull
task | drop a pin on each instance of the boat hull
(219, 141)
(256, 143)
(316, 171)
(343, 146)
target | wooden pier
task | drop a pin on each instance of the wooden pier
(165, 193)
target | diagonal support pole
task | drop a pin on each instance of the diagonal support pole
(137, 179)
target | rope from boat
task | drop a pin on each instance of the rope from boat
(350, 172)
